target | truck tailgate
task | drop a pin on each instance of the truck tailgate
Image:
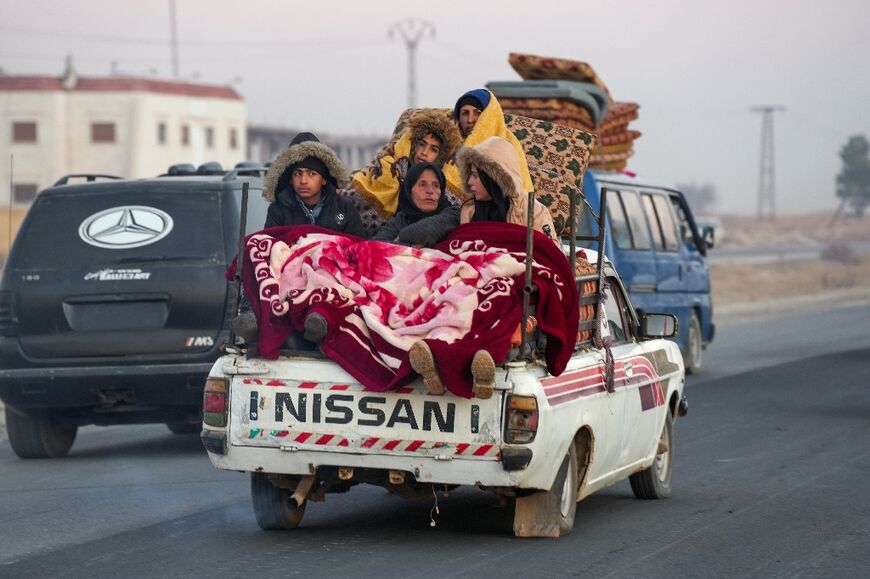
(342, 417)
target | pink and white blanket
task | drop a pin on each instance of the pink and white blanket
(379, 298)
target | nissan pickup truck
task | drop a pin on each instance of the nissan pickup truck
(304, 428)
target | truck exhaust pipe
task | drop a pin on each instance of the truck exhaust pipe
(298, 497)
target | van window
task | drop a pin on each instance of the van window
(666, 220)
(618, 223)
(636, 220)
(654, 224)
(683, 222)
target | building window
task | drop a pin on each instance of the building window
(185, 135)
(209, 137)
(234, 139)
(161, 133)
(102, 132)
(24, 132)
(24, 193)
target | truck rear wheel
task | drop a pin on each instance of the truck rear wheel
(694, 347)
(272, 505)
(36, 435)
(551, 513)
(655, 481)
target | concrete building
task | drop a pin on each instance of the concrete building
(126, 126)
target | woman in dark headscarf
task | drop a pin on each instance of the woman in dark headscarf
(425, 215)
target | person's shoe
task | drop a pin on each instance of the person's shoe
(423, 362)
(245, 327)
(483, 372)
(316, 327)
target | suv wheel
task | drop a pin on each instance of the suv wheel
(37, 436)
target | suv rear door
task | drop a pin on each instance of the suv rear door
(124, 269)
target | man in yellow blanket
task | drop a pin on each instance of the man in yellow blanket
(380, 183)
(430, 136)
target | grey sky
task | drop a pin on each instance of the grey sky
(695, 67)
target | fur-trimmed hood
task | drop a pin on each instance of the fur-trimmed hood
(294, 154)
(496, 157)
(440, 124)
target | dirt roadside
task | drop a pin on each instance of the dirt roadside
(746, 290)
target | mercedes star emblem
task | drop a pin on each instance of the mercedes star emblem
(125, 227)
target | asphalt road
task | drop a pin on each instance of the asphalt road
(770, 480)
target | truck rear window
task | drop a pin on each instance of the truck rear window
(117, 227)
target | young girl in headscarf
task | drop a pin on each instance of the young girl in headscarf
(491, 173)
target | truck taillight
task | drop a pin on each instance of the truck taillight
(214, 402)
(521, 419)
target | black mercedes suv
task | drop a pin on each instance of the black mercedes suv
(113, 302)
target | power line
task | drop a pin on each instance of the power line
(412, 31)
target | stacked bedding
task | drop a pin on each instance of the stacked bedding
(570, 93)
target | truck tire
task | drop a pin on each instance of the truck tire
(655, 481)
(694, 344)
(551, 513)
(37, 436)
(272, 505)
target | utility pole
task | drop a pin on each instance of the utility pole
(767, 170)
(173, 31)
(411, 32)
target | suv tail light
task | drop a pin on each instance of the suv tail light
(8, 323)
(521, 419)
(214, 402)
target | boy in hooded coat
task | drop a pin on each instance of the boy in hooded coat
(413, 225)
(307, 154)
(320, 204)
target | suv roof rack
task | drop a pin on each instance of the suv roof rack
(245, 169)
(89, 177)
(210, 168)
(179, 170)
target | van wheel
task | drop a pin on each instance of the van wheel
(37, 436)
(272, 506)
(550, 513)
(184, 427)
(692, 352)
(655, 481)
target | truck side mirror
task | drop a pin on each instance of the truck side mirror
(659, 326)
(708, 235)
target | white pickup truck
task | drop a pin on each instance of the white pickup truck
(303, 427)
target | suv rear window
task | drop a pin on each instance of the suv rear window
(107, 227)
